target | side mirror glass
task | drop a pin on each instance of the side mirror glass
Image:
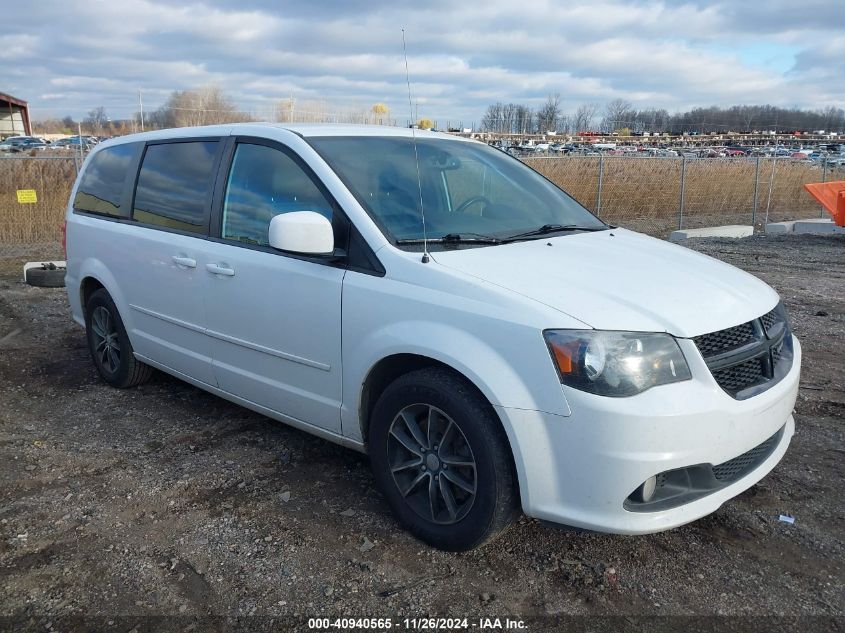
(304, 232)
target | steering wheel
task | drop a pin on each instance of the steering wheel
(466, 204)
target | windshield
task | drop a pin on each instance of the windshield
(468, 189)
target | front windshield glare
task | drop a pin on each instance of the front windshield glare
(468, 189)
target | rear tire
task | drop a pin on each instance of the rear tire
(442, 460)
(109, 345)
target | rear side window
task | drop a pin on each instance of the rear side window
(175, 184)
(101, 186)
(265, 182)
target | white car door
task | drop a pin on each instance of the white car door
(273, 318)
(163, 262)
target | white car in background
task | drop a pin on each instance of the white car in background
(437, 304)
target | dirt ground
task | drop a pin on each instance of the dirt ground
(167, 501)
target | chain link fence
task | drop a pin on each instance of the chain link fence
(653, 195)
(32, 230)
(657, 195)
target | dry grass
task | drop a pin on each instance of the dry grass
(642, 193)
(41, 222)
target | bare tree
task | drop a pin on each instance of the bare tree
(549, 114)
(508, 118)
(523, 119)
(492, 120)
(617, 114)
(584, 116)
(97, 120)
(564, 124)
(205, 106)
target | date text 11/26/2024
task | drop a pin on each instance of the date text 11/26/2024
(416, 624)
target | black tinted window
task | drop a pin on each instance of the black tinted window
(174, 186)
(265, 182)
(101, 186)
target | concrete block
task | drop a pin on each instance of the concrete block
(779, 228)
(817, 226)
(734, 230)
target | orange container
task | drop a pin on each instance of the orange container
(832, 197)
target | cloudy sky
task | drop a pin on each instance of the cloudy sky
(69, 56)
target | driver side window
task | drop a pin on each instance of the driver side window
(265, 182)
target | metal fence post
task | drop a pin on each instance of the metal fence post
(824, 179)
(601, 179)
(771, 186)
(756, 192)
(681, 201)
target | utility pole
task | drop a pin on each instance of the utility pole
(79, 129)
(141, 103)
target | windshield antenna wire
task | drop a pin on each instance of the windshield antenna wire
(425, 257)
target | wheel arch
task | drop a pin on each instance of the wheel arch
(88, 286)
(93, 275)
(391, 367)
(384, 372)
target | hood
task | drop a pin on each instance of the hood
(620, 280)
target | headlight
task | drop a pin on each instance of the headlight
(616, 364)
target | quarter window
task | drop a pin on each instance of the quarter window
(265, 182)
(175, 184)
(102, 183)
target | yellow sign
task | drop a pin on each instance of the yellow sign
(27, 196)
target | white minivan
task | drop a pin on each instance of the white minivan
(437, 304)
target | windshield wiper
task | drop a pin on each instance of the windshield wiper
(552, 228)
(454, 238)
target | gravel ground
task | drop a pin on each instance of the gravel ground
(167, 501)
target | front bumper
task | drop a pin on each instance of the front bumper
(579, 470)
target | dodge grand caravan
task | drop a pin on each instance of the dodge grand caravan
(435, 303)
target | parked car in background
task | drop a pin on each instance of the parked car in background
(71, 143)
(16, 144)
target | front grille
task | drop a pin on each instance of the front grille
(738, 377)
(751, 357)
(777, 352)
(724, 340)
(738, 467)
(769, 319)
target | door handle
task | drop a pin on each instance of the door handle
(187, 262)
(217, 269)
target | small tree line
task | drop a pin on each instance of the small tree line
(210, 105)
(621, 116)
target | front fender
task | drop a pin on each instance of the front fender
(517, 374)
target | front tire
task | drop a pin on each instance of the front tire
(109, 345)
(442, 460)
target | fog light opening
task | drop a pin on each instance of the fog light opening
(646, 490)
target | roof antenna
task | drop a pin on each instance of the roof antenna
(425, 257)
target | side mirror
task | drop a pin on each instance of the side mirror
(305, 232)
